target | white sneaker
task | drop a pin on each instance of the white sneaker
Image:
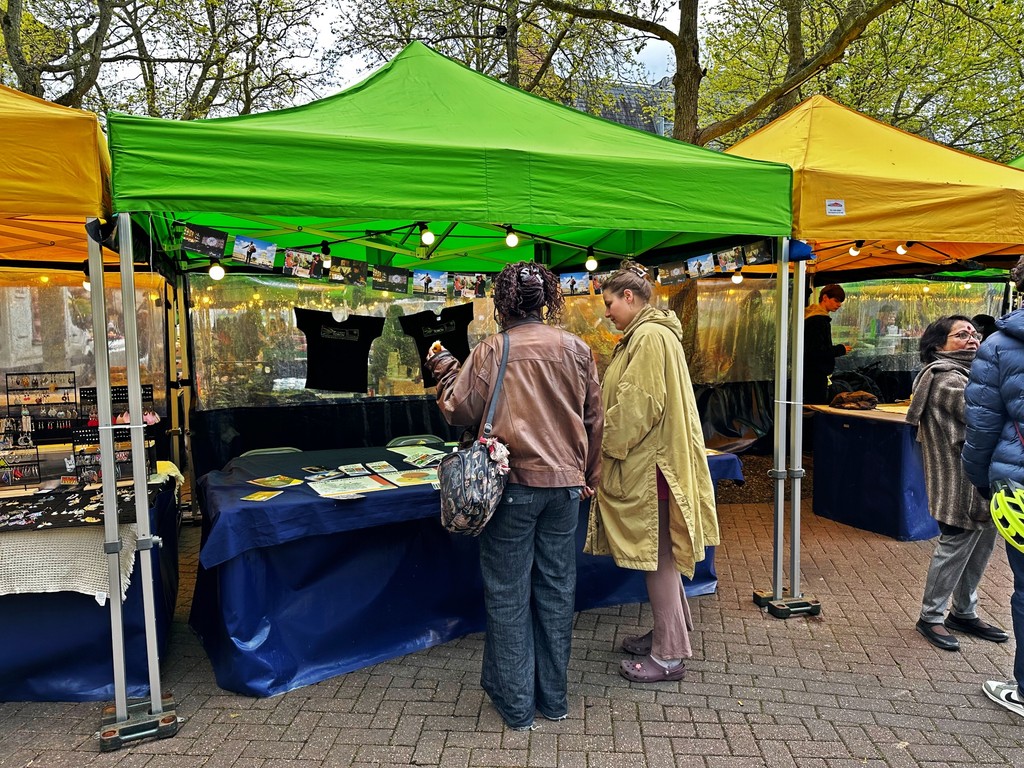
(1005, 694)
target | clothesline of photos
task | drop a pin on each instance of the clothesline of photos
(261, 254)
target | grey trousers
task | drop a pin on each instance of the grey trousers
(957, 564)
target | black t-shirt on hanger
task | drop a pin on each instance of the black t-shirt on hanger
(337, 354)
(449, 327)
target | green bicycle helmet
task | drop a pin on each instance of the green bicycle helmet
(1007, 508)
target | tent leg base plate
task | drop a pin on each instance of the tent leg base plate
(798, 606)
(142, 723)
(764, 596)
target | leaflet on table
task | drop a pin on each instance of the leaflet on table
(412, 477)
(275, 481)
(354, 470)
(406, 451)
(380, 467)
(425, 458)
(343, 485)
(262, 495)
(326, 474)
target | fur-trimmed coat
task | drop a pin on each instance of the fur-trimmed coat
(937, 409)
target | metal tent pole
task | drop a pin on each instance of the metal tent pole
(111, 535)
(778, 471)
(155, 717)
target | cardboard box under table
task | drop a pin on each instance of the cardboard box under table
(300, 588)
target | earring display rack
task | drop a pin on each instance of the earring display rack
(19, 466)
(43, 406)
(85, 441)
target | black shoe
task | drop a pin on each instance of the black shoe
(976, 627)
(943, 641)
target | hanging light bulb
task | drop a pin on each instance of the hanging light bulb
(855, 248)
(902, 248)
(86, 284)
(511, 238)
(737, 277)
(326, 261)
(216, 270)
(426, 236)
(591, 263)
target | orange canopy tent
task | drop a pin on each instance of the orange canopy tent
(860, 183)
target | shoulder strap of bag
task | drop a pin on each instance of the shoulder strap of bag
(488, 422)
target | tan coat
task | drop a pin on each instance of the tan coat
(651, 419)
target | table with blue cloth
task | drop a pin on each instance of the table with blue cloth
(302, 587)
(868, 472)
(57, 643)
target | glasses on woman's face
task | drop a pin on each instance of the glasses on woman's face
(965, 335)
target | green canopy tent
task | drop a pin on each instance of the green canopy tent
(425, 140)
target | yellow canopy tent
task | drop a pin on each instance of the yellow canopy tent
(54, 173)
(54, 178)
(859, 182)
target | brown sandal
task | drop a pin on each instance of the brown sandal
(638, 645)
(649, 671)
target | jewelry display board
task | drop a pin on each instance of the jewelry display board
(85, 441)
(43, 406)
(19, 466)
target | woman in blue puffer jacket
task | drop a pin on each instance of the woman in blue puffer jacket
(994, 450)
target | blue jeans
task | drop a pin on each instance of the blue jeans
(528, 564)
(1016, 558)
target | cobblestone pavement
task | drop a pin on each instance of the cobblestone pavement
(854, 686)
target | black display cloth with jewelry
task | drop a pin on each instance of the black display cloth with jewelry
(450, 327)
(73, 508)
(337, 354)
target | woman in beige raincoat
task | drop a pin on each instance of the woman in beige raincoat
(655, 508)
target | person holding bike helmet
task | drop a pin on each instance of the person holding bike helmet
(994, 453)
(966, 533)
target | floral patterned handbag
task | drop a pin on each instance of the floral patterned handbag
(472, 479)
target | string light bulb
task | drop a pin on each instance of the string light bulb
(855, 248)
(426, 236)
(591, 263)
(216, 270)
(511, 238)
(902, 248)
(87, 285)
(737, 277)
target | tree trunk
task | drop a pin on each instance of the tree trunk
(688, 74)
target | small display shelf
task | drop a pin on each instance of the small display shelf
(18, 466)
(43, 405)
(85, 446)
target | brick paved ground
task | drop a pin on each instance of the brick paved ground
(855, 686)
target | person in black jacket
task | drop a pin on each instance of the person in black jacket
(819, 352)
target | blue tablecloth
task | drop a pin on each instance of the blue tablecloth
(301, 588)
(57, 645)
(868, 474)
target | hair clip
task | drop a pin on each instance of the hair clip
(638, 271)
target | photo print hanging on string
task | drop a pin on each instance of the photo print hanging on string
(597, 280)
(254, 253)
(348, 271)
(430, 282)
(297, 263)
(575, 283)
(204, 241)
(757, 253)
(392, 279)
(699, 266)
(670, 274)
(730, 259)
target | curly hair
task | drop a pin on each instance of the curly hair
(934, 336)
(526, 288)
(630, 275)
(1017, 274)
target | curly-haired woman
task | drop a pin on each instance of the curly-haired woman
(549, 414)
